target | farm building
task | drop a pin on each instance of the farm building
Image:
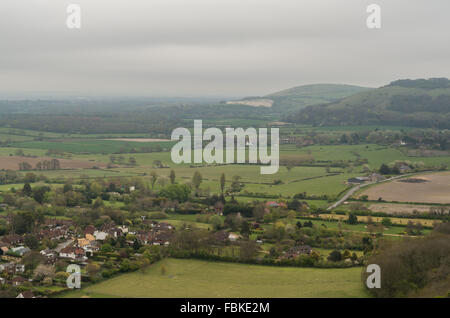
(357, 180)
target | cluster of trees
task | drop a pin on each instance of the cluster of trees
(415, 267)
(425, 138)
(103, 122)
(53, 164)
(385, 106)
(58, 153)
(122, 160)
(10, 176)
(422, 103)
(431, 83)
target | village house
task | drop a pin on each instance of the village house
(115, 232)
(50, 255)
(74, 253)
(90, 237)
(88, 244)
(82, 242)
(162, 238)
(91, 248)
(145, 237)
(124, 229)
(100, 235)
(12, 239)
(12, 268)
(53, 233)
(233, 237)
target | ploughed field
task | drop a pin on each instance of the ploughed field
(427, 188)
(195, 278)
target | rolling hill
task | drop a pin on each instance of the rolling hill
(301, 96)
(418, 103)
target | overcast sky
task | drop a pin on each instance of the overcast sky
(217, 47)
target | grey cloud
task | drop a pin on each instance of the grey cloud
(217, 47)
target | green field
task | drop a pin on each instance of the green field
(194, 278)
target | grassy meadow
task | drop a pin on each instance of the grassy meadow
(194, 278)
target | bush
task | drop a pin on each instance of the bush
(415, 267)
(158, 215)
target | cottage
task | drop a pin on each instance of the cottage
(73, 252)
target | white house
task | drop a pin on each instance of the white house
(73, 252)
(124, 229)
(100, 235)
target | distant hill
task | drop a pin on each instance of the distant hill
(419, 103)
(299, 97)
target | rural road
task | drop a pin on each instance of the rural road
(359, 186)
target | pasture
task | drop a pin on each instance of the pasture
(195, 278)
